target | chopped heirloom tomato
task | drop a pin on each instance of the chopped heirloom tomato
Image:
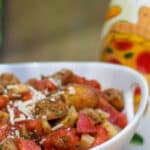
(35, 126)
(23, 144)
(82, 80)
(116, 117)
(17, 112)
(94, 84)
(84, 125)
(101, 136)
(27, 96)
(3, 101)
(44, 84)
(121, 120)
(4, 130)
(78, 79)
(62, 139)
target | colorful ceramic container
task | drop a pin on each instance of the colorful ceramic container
(126, 35)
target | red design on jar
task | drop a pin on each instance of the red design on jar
(114, 61)
(123, 45)
(143, 62)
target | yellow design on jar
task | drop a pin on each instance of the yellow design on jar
(113, 12)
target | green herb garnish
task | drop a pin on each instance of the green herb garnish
(25, 136)
(65, 139)
(59, 112)
(137, 139)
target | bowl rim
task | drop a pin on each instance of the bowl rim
(106, 65)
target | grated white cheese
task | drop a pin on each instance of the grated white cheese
(55, 95)
(22, 107)
(21, 118)
(57, 127)
(46, 92)
(9, 87)
(56, 82)
(11, 114)
(37, 95)
(44, 117)
(13, 128)
(9, 137)
(42, 141)
(52, 99)
(17, 133)
(27, 107)
(5, 92)
(10, 102)
(71, 90)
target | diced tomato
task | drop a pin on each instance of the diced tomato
(3, 101)
(101, 136)
(44, 84)
(39, 85)
(143, 62)
(82, 80)
(27, 96)
(62, 139)
(32, 125)
(121, 120)
(17, 112)
(94, 84)
(23, 144)
(116, 117)
(49, 85)
(84, 125)
(4, 130)
(123, 45)
(78, 79)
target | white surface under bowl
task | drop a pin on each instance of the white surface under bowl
(108, 75)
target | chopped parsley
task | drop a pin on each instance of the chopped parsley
(25, 136)
(65, 139)
(59, 112)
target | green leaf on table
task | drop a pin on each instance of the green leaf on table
(137, 139)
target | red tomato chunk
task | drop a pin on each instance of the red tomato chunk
(23, 144)
(62, 139)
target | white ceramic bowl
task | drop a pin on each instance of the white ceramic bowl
(109, 75)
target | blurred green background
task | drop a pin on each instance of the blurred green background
(52, 30)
